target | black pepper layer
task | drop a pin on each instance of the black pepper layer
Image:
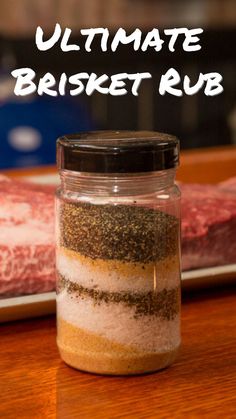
(124, 232)
(164, 304)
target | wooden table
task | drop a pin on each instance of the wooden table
(35, 383)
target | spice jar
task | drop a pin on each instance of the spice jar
(118, 251)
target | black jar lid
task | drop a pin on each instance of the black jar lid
(117, 152)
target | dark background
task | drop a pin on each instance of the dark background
(198, 120)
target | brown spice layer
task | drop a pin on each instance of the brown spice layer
(119, 274)
(88, 352)
(123, 232)
(122, 268)
(164, 304)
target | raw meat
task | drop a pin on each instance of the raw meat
(208, 224)
(27, 260)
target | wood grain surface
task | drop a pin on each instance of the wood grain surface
(35, 383)
(207, 165)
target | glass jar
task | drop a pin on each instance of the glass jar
(118, 251)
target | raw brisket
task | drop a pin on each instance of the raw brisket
(208, 224)
(27, 256)
(27, 260)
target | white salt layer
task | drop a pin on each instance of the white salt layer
(115, 276)
(117, 323)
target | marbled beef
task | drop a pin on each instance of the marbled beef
(208, 224)
(27, 261)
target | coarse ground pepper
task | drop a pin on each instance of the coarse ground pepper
(123, 232)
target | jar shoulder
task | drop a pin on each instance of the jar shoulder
(168, 195)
